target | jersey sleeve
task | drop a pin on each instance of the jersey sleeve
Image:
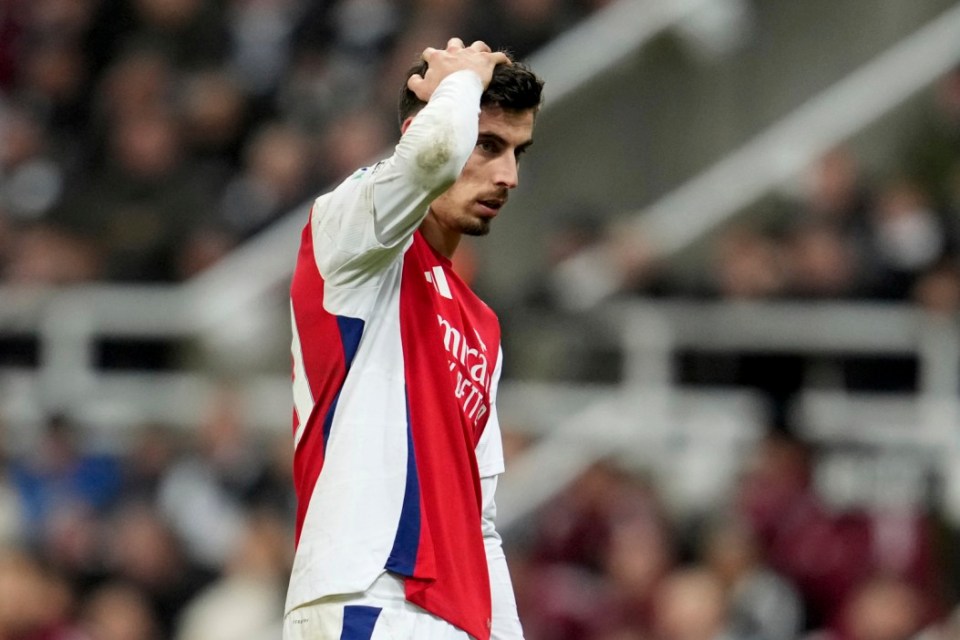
(368, 220)
(505, 623)
(489, 448)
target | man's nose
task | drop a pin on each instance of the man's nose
(507, 171)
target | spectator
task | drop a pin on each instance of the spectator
(34, 602)
(59, 476)
(822, 555)
(203, 493)
(576, 527)
(273, 491)
(118, 611)
(821, 263)
(640, 557)
(938, 289)
(907, 238)
(262, 36)
(690, 605)
(879, 608)
(31, 182)
(90, 72)
(47, 254)
(31, 185)
(276, 177)
(140, 206)
(353, 140)
(151, 452)
(761, 603)
(145, 552)
(190, 33)
(596, 553)
(141, 80)
(837, 193)
(11, 511)
(745, 265)
(72, 545)
(214, 113)
(247, 601)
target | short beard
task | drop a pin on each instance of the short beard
(475, 227)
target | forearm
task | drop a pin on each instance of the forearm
(505, 621)
(359, 226)
(429, 157)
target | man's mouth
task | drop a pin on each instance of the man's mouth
(491, 205)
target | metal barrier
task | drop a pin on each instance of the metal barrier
(693, 439)
(883, 449)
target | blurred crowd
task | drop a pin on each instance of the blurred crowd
(141, 139)
(842, 232)
(609, 559)
(180, 535)
(160, 535)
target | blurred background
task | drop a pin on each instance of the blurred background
(729, 285)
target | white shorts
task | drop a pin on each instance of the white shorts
(382, 613)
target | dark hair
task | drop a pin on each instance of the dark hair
(513, 87)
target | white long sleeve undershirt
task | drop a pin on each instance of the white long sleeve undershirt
(429, 157)
(505, 621)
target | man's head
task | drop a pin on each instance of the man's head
(508, 108)
(514, 87)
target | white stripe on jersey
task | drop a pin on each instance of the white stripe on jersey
(440, 280)
(302, 397)
(352, 515)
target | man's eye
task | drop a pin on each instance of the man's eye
(487, 146)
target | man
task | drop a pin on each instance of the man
(396, 364)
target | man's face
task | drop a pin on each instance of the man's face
(474, 200)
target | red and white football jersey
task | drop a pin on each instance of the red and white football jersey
(395, 369)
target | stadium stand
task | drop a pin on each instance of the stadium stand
(744, 394)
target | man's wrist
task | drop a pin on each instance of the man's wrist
(464, 79)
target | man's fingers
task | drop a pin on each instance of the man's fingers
(442, 62)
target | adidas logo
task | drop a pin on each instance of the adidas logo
(438, 279)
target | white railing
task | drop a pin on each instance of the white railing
(692, 440)
(683, 216)
(655, 330)
(67, 325)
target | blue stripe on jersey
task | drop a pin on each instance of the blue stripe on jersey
(351, 330)
(403, 557)
(358, 622)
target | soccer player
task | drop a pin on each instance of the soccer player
(395, 370)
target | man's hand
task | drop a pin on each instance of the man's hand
(442, 62)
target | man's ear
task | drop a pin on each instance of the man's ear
(405, 125)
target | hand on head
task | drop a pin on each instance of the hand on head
(456, 57)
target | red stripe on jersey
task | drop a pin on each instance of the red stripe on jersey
(451, 543)
(324, 360)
